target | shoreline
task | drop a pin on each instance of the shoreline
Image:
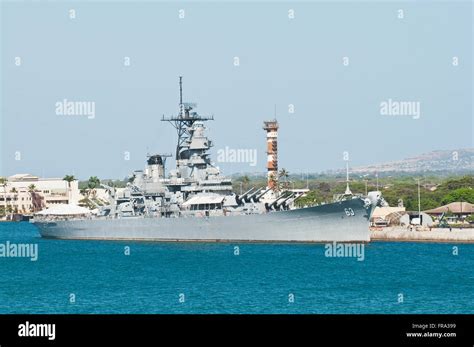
(437, 235)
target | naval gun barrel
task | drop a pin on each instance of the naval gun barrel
(247, 192)
(274, 203)
(249, 198)
(295, 196)
(283, 203)
(240, 198)
(258, 197)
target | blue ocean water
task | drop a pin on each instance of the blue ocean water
(212, 279)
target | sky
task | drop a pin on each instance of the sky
(335, 62)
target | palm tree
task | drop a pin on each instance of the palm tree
(284, 174)
(32, 191)
(10, 211)
(244, 182)
(93, 183)
(274, 183)
(4, 183)
(69, 179)
(15, 195)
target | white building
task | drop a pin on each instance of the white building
(382, 215)
(25, 193)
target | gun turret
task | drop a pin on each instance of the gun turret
(240, 198)
(283, 204)
(275, 205)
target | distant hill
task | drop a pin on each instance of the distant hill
(441, 162)
(449, 161)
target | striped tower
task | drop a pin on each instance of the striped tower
(271, 127)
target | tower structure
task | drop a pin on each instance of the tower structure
(271, 127)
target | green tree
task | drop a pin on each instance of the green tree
(284, 174)
(242, 183)
(428, 204)
(69, 179)
(14, 191)
(310, 199)
(92, 184)
(34, 199)
(324, 187)
(4, 184)
(456, 183)
(274, 183)
(246, 180)
(460, 194)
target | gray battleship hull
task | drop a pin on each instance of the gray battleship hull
(345, 221)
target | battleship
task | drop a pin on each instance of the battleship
(195, 202)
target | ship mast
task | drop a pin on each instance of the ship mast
(181, 109)
(180, 90)
(348, 190)
(184, 121)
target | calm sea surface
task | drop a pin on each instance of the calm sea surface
(210, 278)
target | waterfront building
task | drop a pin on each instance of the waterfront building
(453, 212)
(25, 193)
(385, 215)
